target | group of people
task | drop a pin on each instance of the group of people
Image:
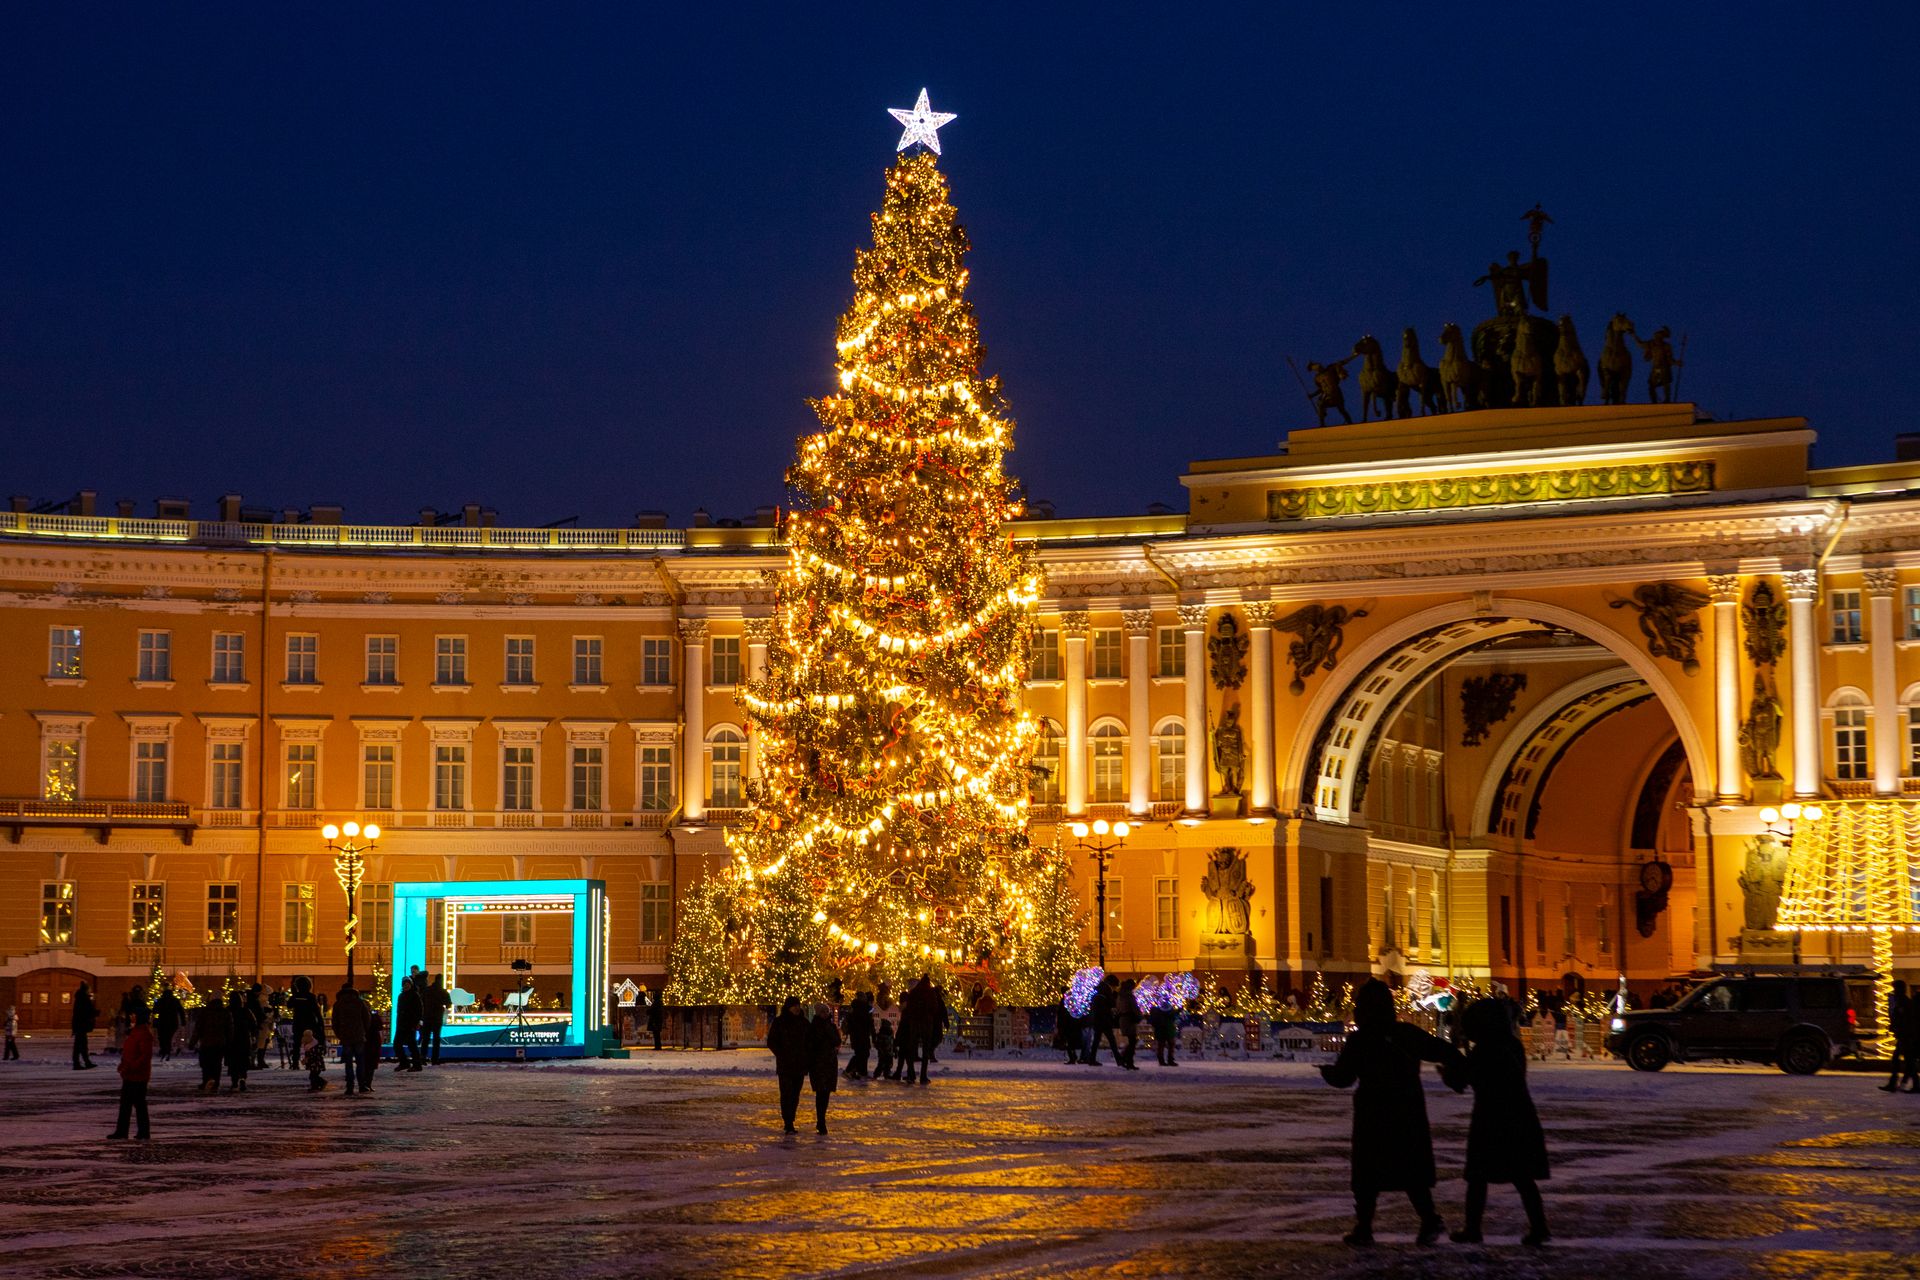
(900, 1037)
(1113, 1009)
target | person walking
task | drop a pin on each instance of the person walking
(211, 1027)
(13, 1030)
(823, 1062)
(1504, 1140)
(242, 1030)
(923, 1020)
(788, 1037)
(1105, 998)
(136, 1069)
(656, 1017)
(1899, 1026)
(433, 1013)
(304, 1012)
(376, 1040)
(1392, 1145)
(1165, 1020)
(1127, 1015)
(351, 1019)
(406, 1028)
(168, 1015)
(1066, 1033)
(85, 1016)
(857, 1018)
(887, 1015)
(265, 1017)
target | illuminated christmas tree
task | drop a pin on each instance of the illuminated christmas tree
(888, 830)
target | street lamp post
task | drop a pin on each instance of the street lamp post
(1101, 841)
(350, 843)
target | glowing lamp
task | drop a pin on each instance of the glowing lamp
(351, 829)
(1813, 812)
(1099, 826)
(1769, 815)
(330, 832)
(371, 831)
(1079, 830)
(1120, 829)
(1790, 810)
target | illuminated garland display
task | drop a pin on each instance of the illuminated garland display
(887, 832)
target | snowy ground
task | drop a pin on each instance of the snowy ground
(672, 1165)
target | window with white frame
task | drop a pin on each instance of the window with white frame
(155, 662)
(519, 660)
(378, 761)
(589, 776)
(450, 660)
(60, 769)
(223, 914)
(296, 913)
(147, 921)
(1843, 609)
(1435, 938)
(656, 661)
(56, 913)
(1172, 649)
(1413, 921)
(1116, 918)
(1913, 740)
(656, 777)
(150, 771)
(1045, 769)
(1108, 744)
(586, 660)
(1568, 940)
(383, 660)
(1601, 929)
(226, 775)
(229, 657)
(1387, 940)
(303, 658)
(1166, 907)
(726, 660)
(449, 776)
(656, 910)
(1105, 654)
(1911, 631)
(1850, 738)
(723, 769)
(63, 653)
(1043, 655)
(516, 929)
(1170, 761)
(302, 774)
(376, 913)
(516, 778)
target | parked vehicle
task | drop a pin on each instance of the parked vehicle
(1796, 1019)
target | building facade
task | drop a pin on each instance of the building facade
(1492, 694)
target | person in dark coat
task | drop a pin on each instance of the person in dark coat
(823, 1062)
(241, 1030)
(787, 1037)
(136, 1069)
(1067, 1032)
(1101, 1013)
(1165, 1020)
(85, 1016)
(1504, 1140)
(406, 1028)
(656, 1016)
(1392, 1145)
(923, 1021)
(1126, 1013)
(211, 1027)
(858, 1020)
(168, 1014)
(434, 1004)
(303, 1010)
(352, 1028)
(1900, 1027)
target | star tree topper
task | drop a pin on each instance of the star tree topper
(923, 125)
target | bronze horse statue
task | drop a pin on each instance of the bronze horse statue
(1459, 378)
(1616, 361)
(1377, 382)
(1528, 369)
(1570, 365)
(1417, 377)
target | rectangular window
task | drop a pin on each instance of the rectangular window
(1116, 887)
(1413, 921)
(723, 775)
(60, 780)
(1844, 609)
(1106, 654)
(376, 775)
(1850, 743)
(1170, 763)
(520, 659)
(1043, 655)
(449, 777)
(516, 779)
(303, 766)
(656, 660)
(229, 657)
(1912, 628)
(656, 911)
(726, 660)
(1540, 926)
(223, 914)
(450, 660)
(1166, 907)
(1326, 915)
(1568, 942)
(156, 657)
(1913, 740)
(56, 913)
(226, 775)
(383, 660)
(303, 659)
(1435, 939)
(586, 660)
(1044, 771)
(1109, 769)
(1506, 927)
(146, 927)
(296, 914)
(516, 929)
(1173, 652)
(656, 779)
(1601, 929)
(375, 908)
(589, 768)
(150, 772)
(63, 653)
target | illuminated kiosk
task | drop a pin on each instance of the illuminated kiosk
(578, 1031)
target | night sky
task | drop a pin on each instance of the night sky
(583, 261)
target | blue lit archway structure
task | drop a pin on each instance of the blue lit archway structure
(579, 1030)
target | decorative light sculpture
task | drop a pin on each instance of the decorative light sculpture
(350, 843)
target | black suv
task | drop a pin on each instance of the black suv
(1798, 1021)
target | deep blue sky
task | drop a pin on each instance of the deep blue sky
(587, 260)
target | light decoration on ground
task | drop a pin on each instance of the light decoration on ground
(1079, 997)
(887, 831)
(1854, 867)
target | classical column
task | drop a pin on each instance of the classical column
(1139, 624)
(1073, 634)
(1881, 585)
(1726, 684)
(693, 693)
(1803, 654)
(759, 632)
(1193, 619)
(1258, 711)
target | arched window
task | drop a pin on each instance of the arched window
(1170, 761)
(723, 770)
(1045, 786)
(1108, 744)
(1849, 736)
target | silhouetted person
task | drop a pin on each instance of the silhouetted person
(168, 1015)
(1165, 1020)
(656, 1017)
(1392, 1145)
(787, 1037)
(212, 1024)
(303, 1010)
(858, 1019)
(823, 1062)
(1067, 1033)
(434, 1004)
(1504, 1140)
(242, 1027)
(924, 1020)
(136, 1069)
(1126, 1013)
(1101, 1012)
(406, 1027)
(85, 1016)
(1900, 1025)
(352, 1029)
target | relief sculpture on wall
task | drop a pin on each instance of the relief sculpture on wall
(1669, 620)
(1228, 891)
(1321, 630)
